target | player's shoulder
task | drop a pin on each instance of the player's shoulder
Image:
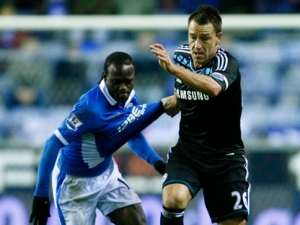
(182, 55)
(224, 58)
(183, 49)
(87, 101)
(225, 55)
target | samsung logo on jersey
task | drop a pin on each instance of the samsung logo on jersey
(191, 95)
(134, 115)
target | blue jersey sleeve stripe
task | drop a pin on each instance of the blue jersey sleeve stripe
(60, 137)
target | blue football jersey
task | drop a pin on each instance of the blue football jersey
(96, 127)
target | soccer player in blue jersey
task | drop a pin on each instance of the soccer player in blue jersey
(209, 154)
(85, 176)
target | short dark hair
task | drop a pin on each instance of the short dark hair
(118, 58)
(207, 14)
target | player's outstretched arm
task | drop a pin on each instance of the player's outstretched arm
(142, 148)
(41, 203)
(171, 105)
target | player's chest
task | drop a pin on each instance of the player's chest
(119, 119)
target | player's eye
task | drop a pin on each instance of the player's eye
(205, 38)
(129, 81)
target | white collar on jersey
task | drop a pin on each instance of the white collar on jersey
(110, 99)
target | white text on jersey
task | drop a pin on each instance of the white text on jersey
(191, 95)
(135, 114)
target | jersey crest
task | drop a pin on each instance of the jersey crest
(73, 122)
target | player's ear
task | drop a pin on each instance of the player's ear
(219, 36)
(104, 76)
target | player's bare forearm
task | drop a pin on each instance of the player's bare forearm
(171, 105)
(205, 84)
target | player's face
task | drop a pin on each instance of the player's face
(120, 81)
(203, 42)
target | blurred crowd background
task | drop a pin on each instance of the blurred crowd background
(43, 73)
(50, 69)
(114, 7)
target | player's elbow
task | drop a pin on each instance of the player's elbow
(214, 90)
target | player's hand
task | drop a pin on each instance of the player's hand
(160, 166)
(163, 56)
(171, 105)
(40, 211)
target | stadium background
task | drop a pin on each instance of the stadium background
(46, 62)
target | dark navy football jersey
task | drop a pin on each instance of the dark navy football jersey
(210, 125)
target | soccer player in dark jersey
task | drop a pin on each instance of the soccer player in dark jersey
(79, 153)
(209, 154)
